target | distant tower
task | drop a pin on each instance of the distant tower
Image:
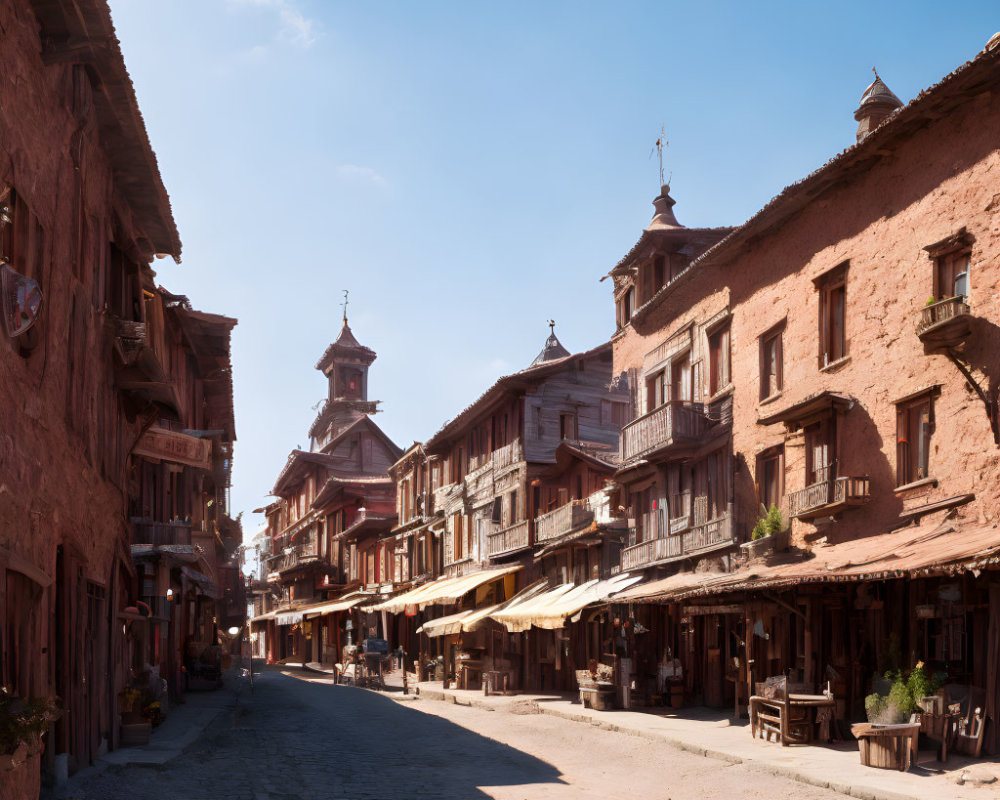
(345, 365)
(877, 103)
(552, 350)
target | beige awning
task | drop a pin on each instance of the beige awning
(929, 549)
(263, 617)
(442, 590)
(550, 609)
(456, 623)
(342, 604)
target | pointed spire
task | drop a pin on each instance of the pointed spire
(877, 103)
(553, 349)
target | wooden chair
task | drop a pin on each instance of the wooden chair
(771, 715)
(969, 734)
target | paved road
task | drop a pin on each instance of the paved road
(297, 739)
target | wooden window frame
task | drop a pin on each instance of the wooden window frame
(720, 357)
(913, 464)
(956, 246)
(773, 455)
(774, 334)
(832, 288)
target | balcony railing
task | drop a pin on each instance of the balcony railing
(828, 497)
(673, 422)
(706, 536)
(946, 322)
(130, 338)
(504, 456)
(279, 562)
(567, 518)
(160, 533)
(507, 540)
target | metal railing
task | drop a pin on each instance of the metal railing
(506, 540)
(674, 421)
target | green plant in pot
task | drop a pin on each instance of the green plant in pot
(770, 524)
(906, 690)
(23, 722)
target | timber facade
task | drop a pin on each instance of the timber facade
(115, 447)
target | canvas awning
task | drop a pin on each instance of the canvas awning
(262, 617)
(442, 590)
(342, 604)
(935, 548)
(288, 618)
(551, 608)
(456, 623)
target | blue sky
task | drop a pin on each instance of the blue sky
(470, 170)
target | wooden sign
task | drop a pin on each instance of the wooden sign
(703, 610)
(177, 447)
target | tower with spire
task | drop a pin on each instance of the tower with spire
(877, 103)
(345, 365)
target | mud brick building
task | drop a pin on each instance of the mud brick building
(850, 327)
(83, 214)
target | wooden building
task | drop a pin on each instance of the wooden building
(83, 214)
(336, 502)
(511, 476)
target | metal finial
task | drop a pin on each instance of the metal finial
(344, 304)
(876, 72)
(552, 327)
(658, 147)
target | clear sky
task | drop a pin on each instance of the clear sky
(470, 169)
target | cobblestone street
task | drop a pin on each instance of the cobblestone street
(296, 738)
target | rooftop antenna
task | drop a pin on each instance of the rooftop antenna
(344, 304)
(658, 147)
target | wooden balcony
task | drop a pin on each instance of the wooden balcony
(947, 323)
(130, 338)
(510, 453)
(672, 423)
(283, 562)
(565, 519)
(828, 497)
(508, 540)
(146, 531)
(698, 538)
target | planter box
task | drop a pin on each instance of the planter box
(135, 734)
(761, 548)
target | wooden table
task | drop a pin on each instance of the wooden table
(492, 679)
(887, 746)
(786, 720)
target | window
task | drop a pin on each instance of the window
(626, 307)
(656, 390)
(771, 366)
(614, 413)
(952, 276)
(951, 258)
(832, 303)
(718, 360)
(913, 438)
(458, 548)
(680, 378)
(821, 459)
(770, 477)
(567, 426)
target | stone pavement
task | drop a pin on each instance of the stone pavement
(292, 739)
(714, 734)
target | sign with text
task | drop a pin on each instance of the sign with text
(177, 447)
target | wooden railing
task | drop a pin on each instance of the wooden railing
(506, 540)
(565, 519)
(130, 338)
(282, 561)
(709, 534)
(941, 311)
(160, 533)
(504, 456)
(674, 421)
(830, 493)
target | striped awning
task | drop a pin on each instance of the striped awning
(442, 590)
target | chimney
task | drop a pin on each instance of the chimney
(877, 103)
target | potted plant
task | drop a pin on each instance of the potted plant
(23, 722)
(905, 696)
(768, 535)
